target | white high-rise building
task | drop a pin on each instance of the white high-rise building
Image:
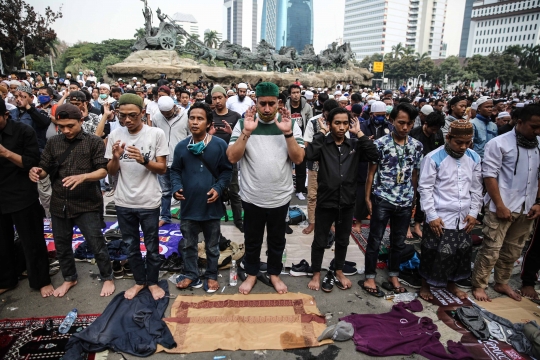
(187, 22)
(497, 24)
(240, 22)
(374, 26)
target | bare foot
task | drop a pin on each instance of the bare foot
(409, 233)
(417, 230)
(133, 291)
(315, 282)
(247, 285)
(454, 289)
(507, 290)
(4, 290)
(480, 294)
(425, 291)
(309, 229)
(213, 284)
(357, 227)
(184, 284)
(370, 283)
(279, 285)
(64, 288)
(529, 292)
(343, 279)
(162, 222)
(47, 291)
(157, 292)
(108, 288)
(394, 280)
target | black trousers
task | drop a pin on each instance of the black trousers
(301, 175)
(255, 220)
(531, 262)
(325, 218)
(236, 201)
(360, 211)
(419, 215)
(29, 225)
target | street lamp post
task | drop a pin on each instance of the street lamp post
(418, 79)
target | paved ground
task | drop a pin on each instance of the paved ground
(23, 302)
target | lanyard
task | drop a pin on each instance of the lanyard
(401, 157)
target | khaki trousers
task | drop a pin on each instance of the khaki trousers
(502, 246)
(311, 195)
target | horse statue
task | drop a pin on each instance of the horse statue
(285, 57)
(308, 58)
(225, 52)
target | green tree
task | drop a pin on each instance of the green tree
(211, 39)
(449, 70)
(398, 50)
(140, 33)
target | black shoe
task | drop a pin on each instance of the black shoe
(173, 259)
(176, 264)
(118, 270)
(328, 281)
(165, 263)
(263, 267)
(301, 269)
(127, 270)
(240, 226)
(465, 283)
(288, 230)
(410, 278)
(348, 270)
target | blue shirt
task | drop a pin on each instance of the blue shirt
(190, 174)
(385, 183)
(484, 130)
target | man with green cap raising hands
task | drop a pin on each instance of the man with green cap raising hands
(266, 182)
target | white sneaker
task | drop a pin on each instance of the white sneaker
(300, 196)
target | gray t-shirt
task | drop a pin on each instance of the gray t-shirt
(137, 186)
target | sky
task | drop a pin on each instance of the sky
(118, 19)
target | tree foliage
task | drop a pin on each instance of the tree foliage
(211, 39)
(21, 25)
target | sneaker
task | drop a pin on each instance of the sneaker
(328, 281)
(263, 267)
(127, 269)
(118, 270)
(348, 270)
(301, 269)
(197, 284)
(410, 278)
(465, 283)
(300, 196)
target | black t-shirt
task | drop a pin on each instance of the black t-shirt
(429, 143)
(296, 113)
(231, 117)
(505, 128)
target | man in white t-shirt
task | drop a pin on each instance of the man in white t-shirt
(240, 103)
(140, 152)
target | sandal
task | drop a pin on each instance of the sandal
(207, 289)
(371, 291)
(396, 290)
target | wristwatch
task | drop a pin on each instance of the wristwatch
(146, 160)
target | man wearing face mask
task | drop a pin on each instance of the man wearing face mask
(104, 94)
(29, 115)
(240, 103)
(174, 123)
(374, 128)
(266, 179)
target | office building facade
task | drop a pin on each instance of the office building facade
(240, 22)
(495, 25)
(187, 22)
(375, 26)
(287, 23)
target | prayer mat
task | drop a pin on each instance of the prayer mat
(516, 311)
(245, 322)
(28, 338)
(169, 238)
(361, 239)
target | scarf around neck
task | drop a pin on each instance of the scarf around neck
(484, 119)
(451, 152)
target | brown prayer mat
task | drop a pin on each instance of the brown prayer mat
(245, 322)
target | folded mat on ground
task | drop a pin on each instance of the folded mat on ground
(245, 322)
(131, 326)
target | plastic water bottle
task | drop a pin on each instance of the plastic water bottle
(284, 257)
(68, 321)
(233, 276)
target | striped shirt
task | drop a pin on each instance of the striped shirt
(265, 169)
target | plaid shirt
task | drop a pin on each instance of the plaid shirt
(86, 157)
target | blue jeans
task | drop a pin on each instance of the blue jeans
(190, 231)
(166, 196)
(400, 218)
(144, 272)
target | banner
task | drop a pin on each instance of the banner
(169, 238)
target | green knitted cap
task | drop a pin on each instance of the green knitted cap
(267, 89)
(218, 89)
(128, 99)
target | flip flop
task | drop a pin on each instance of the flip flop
(371, 291)
(396, 290)
(416, 235)
(265, 279)
(206, 288)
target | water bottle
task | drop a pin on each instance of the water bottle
(68, 321)
(284, 258)
(233, 276)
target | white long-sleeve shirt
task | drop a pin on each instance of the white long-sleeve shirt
(176, 130)
(500, 155)
(450, 188)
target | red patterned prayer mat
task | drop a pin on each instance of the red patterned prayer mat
(29, 338)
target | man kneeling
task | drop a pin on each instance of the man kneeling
(200, 172)
(450, 190)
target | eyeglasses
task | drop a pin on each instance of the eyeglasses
(131, 116)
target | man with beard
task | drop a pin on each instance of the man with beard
(450, 188)
(266, 185)
(510, 171)
(240, 103)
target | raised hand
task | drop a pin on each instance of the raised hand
(118, 149)
(285, 125)
(250, 121)
(354, 128)
(227, 127)
(322, 124)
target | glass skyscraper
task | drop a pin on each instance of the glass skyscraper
(287, 23)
